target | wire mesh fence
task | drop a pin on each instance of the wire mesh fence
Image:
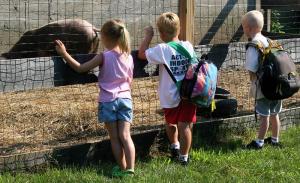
(19, 16)
(230, 59)
(219, 21)
(37, 116)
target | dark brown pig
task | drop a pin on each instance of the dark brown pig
(79, 36)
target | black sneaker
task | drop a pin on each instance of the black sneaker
(275, 144)
(183, 162)
(174, 154)
(253, 145)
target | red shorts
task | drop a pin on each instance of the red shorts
(184, 112)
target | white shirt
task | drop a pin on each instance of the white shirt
(252, 64)
(164, 54)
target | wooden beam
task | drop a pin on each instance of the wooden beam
(280, 4)
(186, 15)
(267, 20)
(258, 5)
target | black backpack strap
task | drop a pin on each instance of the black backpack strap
(256, 44)
(170, 73)
(260, 47)
(180, 49)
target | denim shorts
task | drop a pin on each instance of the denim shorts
(118, 110)
(267, 107)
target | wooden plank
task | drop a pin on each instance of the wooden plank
(258, 4)
(186, 15)
(275, 4)
(25, 161)
(268, 19)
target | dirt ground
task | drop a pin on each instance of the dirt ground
(46, 118)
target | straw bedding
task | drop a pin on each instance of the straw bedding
(52, 117)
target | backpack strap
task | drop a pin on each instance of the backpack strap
(256, 44)
(170, 73)
(262, 50)
(180, 49)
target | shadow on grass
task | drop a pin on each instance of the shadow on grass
(99, 156)
(214, 136)
(224, 147)
(209, 137)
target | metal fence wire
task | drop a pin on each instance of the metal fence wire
(45, 104)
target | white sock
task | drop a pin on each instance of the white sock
(176, 145)
(260, 142)
(275, 139)
(183, 157)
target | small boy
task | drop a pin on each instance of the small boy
(179, 114)
(268, 110)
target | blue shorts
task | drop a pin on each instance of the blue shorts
(267, 107)
(118, 110)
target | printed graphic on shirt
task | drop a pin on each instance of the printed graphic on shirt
(179, 64)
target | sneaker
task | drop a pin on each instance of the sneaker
(253, 145)
(174, 154)
(118, 172)
(129, 172)
(115, 171)
(275, 144)
(183, 162)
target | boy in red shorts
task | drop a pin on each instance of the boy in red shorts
(179, 114)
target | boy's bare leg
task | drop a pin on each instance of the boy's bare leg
(264, 125)
(185, 134)
(274, 119)
(128, 145)
(116, 145)
(172, 133)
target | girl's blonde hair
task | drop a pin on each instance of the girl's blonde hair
(116, 32)
(169, 24)
(254, 19)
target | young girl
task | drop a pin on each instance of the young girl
(115, 77)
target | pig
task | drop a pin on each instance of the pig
(79, 36)
(81, 40)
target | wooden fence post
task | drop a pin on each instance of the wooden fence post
(258, 5)
(186, 15)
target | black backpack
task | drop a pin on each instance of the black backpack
(277, 72)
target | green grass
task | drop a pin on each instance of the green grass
(222, 163)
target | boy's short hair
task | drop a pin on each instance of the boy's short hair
(168, 23)
(254, 19)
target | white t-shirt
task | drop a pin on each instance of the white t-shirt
(164, 54)
(252, 64)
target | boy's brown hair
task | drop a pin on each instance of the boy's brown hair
(169, 24)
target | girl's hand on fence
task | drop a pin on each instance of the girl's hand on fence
(149, 32)
(60, 47)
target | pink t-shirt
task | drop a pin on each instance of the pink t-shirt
(115, 76)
